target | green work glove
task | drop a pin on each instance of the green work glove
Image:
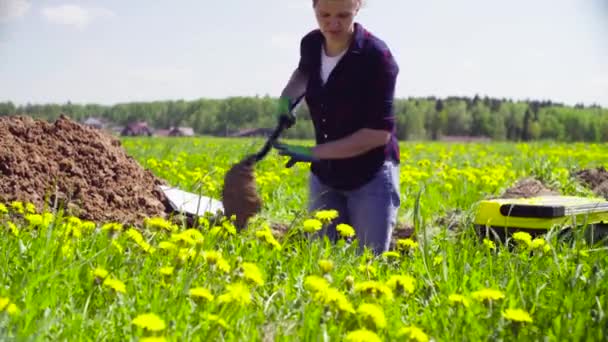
(286, 117)
(296, 153)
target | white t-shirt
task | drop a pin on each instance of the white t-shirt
(328, 63)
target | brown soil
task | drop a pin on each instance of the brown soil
(596, 179)
(79, 168)
(528, 187)
(239, 195)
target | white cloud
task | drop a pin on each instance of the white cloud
(73, 15)
(11, 9)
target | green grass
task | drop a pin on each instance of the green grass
(47, 267)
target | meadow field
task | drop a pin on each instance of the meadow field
(65, 279)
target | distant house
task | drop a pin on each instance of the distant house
(95, 122)
(139, 128)
(181, 132)
(175, 132)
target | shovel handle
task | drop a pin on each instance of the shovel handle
(280, 127)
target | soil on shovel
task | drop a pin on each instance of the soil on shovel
(239, 195)
(81, 169)
(595, 179)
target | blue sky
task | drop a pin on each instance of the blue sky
(113, 51)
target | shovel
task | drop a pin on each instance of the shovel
(239, 195)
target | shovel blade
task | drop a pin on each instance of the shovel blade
(190, 203)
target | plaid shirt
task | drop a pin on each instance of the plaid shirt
(358, 94)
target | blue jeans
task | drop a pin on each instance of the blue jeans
(371, 209)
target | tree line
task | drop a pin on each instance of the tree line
(424, 118)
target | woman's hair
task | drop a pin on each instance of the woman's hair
(314, 2)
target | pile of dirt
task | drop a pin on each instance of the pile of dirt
(595, 179)
(79, 168)
(528, 187)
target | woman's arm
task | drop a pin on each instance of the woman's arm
(355, 144)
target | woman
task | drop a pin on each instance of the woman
(348, 77)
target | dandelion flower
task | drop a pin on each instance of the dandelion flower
(201, 293)
(13, 228)
(115, 284)
(345, 230)
(488, 294)
(372, 314)
(517, 315)
(100, 273)
(362, 335)
(374, 289)
(413, 333)
(252, 273)
(159, 223)
(326, 215)
(153, 339)
(538, 243)
(112, 227)
(391, 255)
(3, 209)
(315, 283)
(326, 265)
(458, 299)
(167, 246)
(237, 293)
(402, 283)
(523, 238)
(489, 244)
(12, 309)
(166, 271)
(349, 281)
(407, 244)
(312, 225)
(150, 322)
(17, 207)
(333, 298)
(266, 236)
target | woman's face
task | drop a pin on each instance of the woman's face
(336, 18)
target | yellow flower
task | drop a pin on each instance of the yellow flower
(237, 293)
(374, 289)
(166, 270)
(160, 223)
(488, 294)
(391, 255)
(150, 322)
(362, 335)
(517, 315)
(413, 333)
(13, 228)
(3, 209)
(113, 227)
(458, 299)
(406, 244)
(100, 273)
(153, 339)
(315, 283)
(345, 230)
(402, 283)
(326, 215)
(194, 234)
(167, 246)
(115, 284)
(266, 236)
(12, 309)
(326, 265)
(369, 270)
(252, 273)
(333, 298)
(489, 243)
(201, 293)
(538, 243)
(215, 258)
(372, 314)
(523, 238)
(17, 207)
(312, 225)
(438, 260)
